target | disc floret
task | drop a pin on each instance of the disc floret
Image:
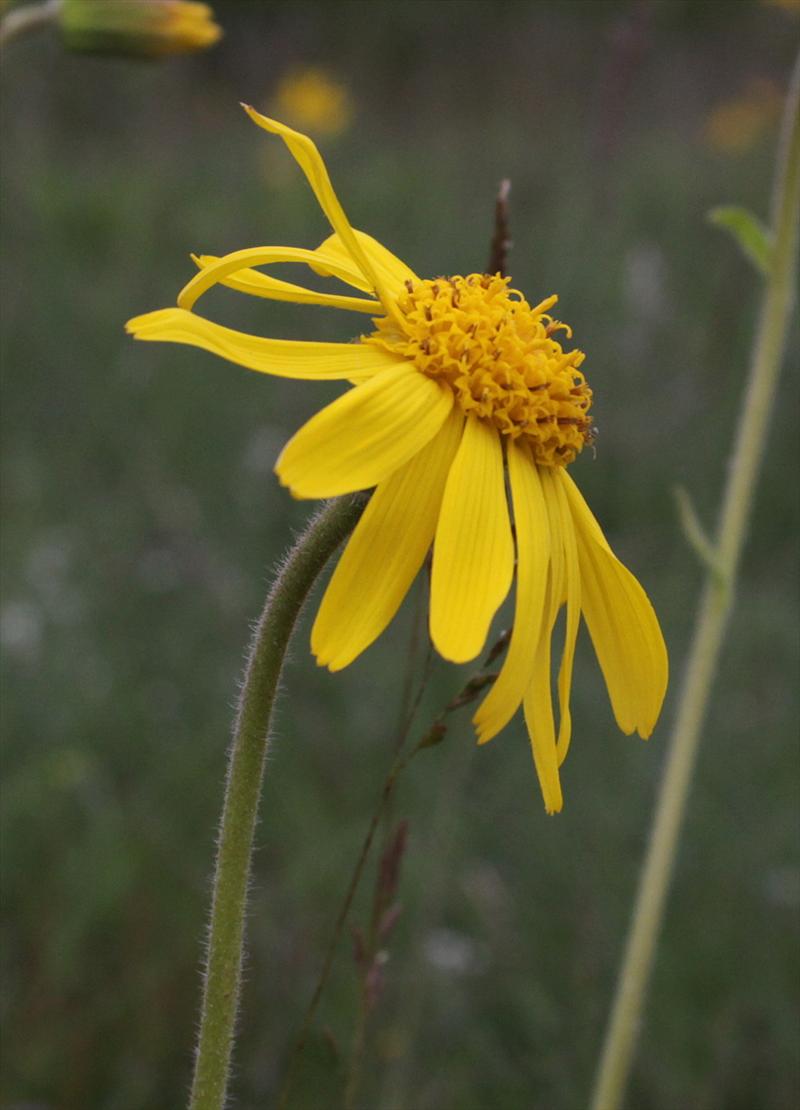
(497, 354)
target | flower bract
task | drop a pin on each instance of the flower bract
(466, 406)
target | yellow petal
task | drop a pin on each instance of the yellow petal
(538, 707)
(310, 161)
(576, 499)
(365, 435)
(385, 552)
(393, 272)
(533, 557)
(234, 270)
(572, 582)
(622, 624)
(473, 555)
(284, 358)
(558, 570)
(332, 253)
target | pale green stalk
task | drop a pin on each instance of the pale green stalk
(770, 343)
(243, 789)
(28, 17)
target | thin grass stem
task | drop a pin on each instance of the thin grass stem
(701, 668)
(432, 736)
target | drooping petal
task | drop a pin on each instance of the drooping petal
(622, 624)
(391, 269)
(533, 557)
(235, 270)
(558, 570)
(310, 161)
(538, 706)
(284, 358)
(576, 498)
(573, 592)
(473, 554)
(365, 435)
(385, 552)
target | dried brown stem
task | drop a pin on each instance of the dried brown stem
(429, 738)
(501, 240)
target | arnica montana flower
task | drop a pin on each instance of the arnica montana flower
(459, 383)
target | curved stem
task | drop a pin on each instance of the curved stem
(701, 668)
(243, 788)
(28, 18)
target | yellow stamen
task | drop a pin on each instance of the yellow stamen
(498, 357)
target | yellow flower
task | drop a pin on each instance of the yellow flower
(735, 125)
(312, 98)
(790, 6)
(460, 383)
(146, 27)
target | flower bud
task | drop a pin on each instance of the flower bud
(144, 28)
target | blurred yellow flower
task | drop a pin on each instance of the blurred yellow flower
(312, 98)
(460, 384)
(735, 125)
(791, 6)
(142, 27)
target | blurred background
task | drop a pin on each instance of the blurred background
(143, 523)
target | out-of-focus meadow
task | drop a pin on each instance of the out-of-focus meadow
(142, 523)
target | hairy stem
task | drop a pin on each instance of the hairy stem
(711, 620)
(243, 788)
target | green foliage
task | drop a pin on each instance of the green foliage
(693, 530)
(747, 231)
(142, 521)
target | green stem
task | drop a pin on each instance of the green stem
(715, 607)
(243, 788)
(29, 17)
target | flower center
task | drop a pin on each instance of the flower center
(499, 358)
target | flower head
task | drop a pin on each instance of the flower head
(498, 358)
(459, 385)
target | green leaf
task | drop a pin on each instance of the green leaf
(696, 534)
(753, 238)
